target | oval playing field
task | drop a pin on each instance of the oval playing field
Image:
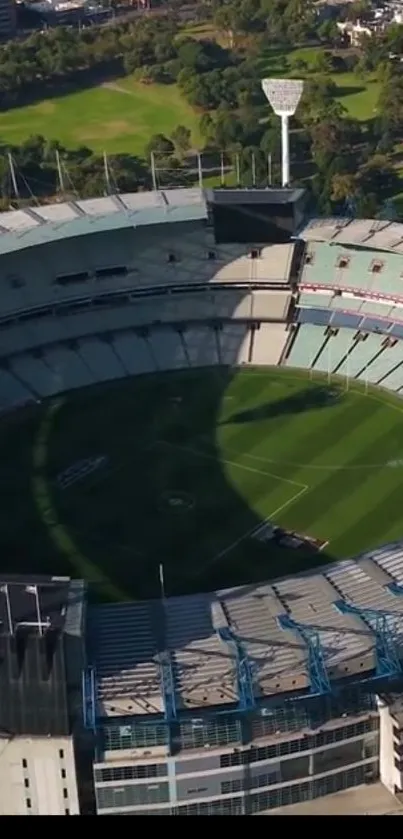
(222, 476)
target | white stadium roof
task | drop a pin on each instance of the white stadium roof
(39, 224)
(373, 234)
(128, 637)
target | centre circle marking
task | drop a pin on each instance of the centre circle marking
(177, 501)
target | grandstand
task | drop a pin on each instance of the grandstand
(244, 700)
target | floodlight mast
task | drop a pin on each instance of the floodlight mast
(284, 96)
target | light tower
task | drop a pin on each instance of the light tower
(284, 96)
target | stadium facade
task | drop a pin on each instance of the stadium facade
(246, 700)
(42, 655)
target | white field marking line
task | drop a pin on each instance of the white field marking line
(258, 527)
(316, 466)
(103, 475)
(235, 463)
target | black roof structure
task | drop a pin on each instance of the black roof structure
(229, 197)
(33, 692)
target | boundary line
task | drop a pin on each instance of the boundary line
(206, 456)
(257, 527)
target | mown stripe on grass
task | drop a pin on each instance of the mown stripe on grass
(43, 499)
(335, 486)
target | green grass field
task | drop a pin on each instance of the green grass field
(194, 463)
(116, 117)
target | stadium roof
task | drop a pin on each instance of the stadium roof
(43, 223)
(127, 639)
(373, 234)
(40, 224)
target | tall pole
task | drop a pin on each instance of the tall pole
(34, 590)
(59, 171)
(162, 581)
(6, 592)
(269, 169)
(253, 170)
(237, 170)
(329, 361)
(200, 170)
(222, 172)
(285, 151)
(106, 173)
(13, 177)
(153, 173)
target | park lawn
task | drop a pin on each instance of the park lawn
(117, 117)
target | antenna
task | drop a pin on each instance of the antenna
(284, 96)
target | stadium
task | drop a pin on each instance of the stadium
(209, 433)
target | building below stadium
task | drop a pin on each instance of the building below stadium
(42, 648)
(221, 704)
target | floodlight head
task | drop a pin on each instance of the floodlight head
(283, 94)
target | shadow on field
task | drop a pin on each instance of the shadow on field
(350, 91)
(306, 400)
(171, 501)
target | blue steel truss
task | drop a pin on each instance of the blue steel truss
(387, 659)
(246, 695)
(318, 677)
(395, 588)
(89, 698)
(168, 686)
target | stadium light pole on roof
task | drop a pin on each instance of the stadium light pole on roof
(284, 96)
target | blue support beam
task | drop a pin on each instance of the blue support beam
(318, 677)
(89, 698)
(395, 588)
(387, 659)
(245, 690)
(168, 686)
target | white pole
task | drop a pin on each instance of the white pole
(329, 361)
(200, 170)
(34, 590)
(5, 591)
(153, 173)
(237, 170)
(285, 150)
(162, 581)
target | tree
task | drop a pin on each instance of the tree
(161, 145)
(181, 137)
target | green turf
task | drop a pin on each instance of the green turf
(117, 117)
(195, 462)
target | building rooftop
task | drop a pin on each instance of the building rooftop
(206, 635)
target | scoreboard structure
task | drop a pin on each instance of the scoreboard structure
(255, 216)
